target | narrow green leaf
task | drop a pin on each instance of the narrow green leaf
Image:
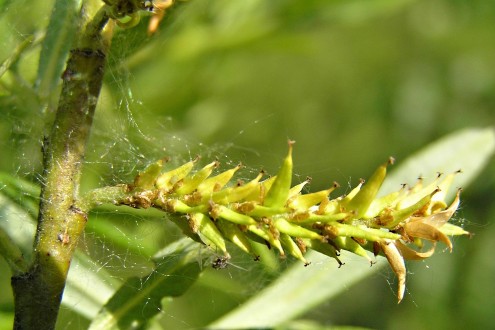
(302, 288)
(58, 40)
(139, 299)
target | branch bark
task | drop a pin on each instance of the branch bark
(38, 292)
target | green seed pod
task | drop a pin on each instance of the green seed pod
(349, 244)
(223, 212)
(400, 215)
(207, 231)
(289, 245)
(177, 206)
(279, 191)
(379, 205)
(361, 202)
(304, 202)
(296, 190)
(234, 194)
(258, 195)
(233, 233)
(211, 185)
(324, 218)
(260, 211)
(168, 179)
(189, 184)
(322, 247)
(347, 198)
(147, 178)
(294, 230)
(359, 231)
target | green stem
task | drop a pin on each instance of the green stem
(38, 292)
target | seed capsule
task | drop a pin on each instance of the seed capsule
(207, 231)
(234, 194)
(294, 230)
(211, 185)
(234, 234)
(223, 212)
(188, 184)
(279, 191)
(340, 229)
(168, 179)
(268, 236)
(324, 248)
(147, 178)
(289, 245)
(363, 199)
(304, 202)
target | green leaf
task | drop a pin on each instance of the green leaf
(468, 150)
(139, 299)
(55, 47)
(301, 288)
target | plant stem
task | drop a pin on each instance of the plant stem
(38, 292)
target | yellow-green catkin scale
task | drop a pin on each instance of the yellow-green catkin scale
(189, 184)
(147, 178)
(168, 179)
(363, 199)
(279, 191)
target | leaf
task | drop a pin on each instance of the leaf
(301, 288)
(139, 299)
(468, 150)
(55, 47)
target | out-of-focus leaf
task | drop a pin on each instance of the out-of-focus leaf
(58, 40)
(468, 150)
(302, 288)
(14, 56)
(139, 299)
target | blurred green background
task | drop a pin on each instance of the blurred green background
(353, 82)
